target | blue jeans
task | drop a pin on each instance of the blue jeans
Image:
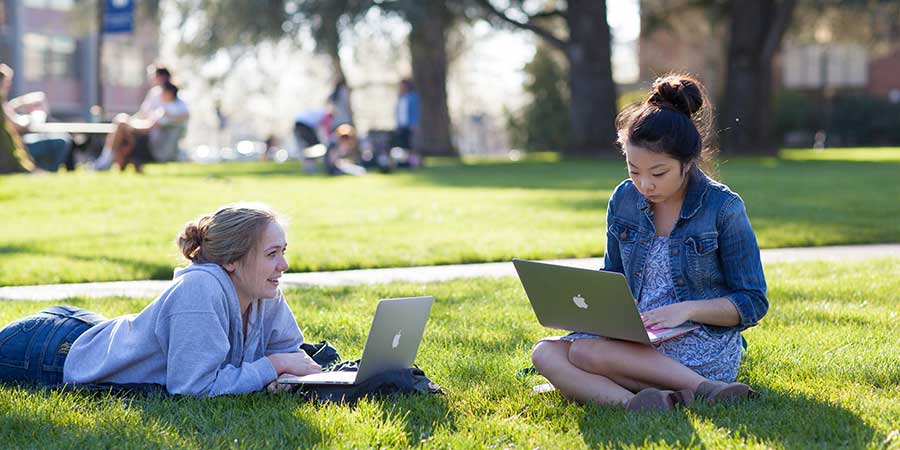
(34, 349)
(49, 153)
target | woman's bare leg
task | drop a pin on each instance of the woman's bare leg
(551, 359)
(122, 144)
(623, 360)
(118, 121)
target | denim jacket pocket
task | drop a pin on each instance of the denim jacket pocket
(703, 261)
(704, 243)
(626, 234)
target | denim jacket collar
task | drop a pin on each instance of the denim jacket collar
(696, 191)
(697, 186)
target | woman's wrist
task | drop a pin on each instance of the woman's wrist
(717, 311)
(276, 364)
(692, 307)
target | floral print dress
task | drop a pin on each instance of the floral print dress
(715, 356)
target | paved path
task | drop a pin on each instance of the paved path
(424, 274)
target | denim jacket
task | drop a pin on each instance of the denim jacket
(712, 247)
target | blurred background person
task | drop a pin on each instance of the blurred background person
(44, 150)
(155, 138)
(407, 115)
(339, 104)
(311, 127)
(343, 157)
(139, 122)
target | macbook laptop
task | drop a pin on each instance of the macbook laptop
(392, 343)
(590, 301)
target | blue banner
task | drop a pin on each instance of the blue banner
(118, 17)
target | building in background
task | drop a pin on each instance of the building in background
(697, 44)
(883, 80)
(831, 87)
(49, 46)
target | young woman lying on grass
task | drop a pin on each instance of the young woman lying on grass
(686, 246)
(222, 326)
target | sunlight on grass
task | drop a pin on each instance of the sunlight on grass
(87, 226)
(824, 359)
(866, 154)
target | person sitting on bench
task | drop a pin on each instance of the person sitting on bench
(154, 138)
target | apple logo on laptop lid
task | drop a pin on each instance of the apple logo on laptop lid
(396, 342)
(579, 301)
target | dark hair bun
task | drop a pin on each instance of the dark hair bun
(677, 92)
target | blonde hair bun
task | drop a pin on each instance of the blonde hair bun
(226, 235)
(190, 239)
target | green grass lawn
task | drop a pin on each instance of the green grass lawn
(825, 360)
(110, 226)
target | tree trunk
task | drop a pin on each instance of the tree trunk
(593, 93)
(428, 49)
(756, 32)
(329, 41)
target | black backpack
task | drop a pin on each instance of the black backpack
(403, 381)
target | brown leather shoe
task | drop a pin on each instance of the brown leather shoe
(653, 399)
(718, 392)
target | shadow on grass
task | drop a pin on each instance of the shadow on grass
(26, 431)
(616, 428)
(277, 422)
(153, 271)
(565, 175)
(221, 172)
(777, 419)
(236, 420)
(13, 249)
(422, 414)
(786, 420)
(606, 174)
(107, 423)
(258, 421)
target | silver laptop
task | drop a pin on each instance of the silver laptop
(591, 301)
(392, 343)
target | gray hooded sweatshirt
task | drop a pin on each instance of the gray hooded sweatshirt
(190, 339)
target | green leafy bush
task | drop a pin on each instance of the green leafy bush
(864, 120)
(544, 123)
(850, 119)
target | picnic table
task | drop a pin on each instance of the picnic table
(73, 127)
(79, 130)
